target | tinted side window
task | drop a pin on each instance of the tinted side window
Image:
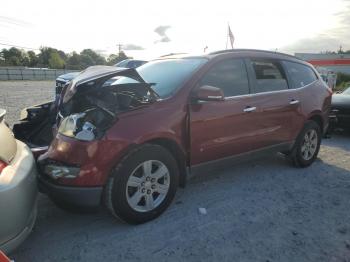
(269, 76)
(132, 64)
(300, 74)
(139, 63)
(230, 76)
(123, 63)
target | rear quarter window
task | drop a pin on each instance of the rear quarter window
(301, 75)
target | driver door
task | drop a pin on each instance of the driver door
(219, 129)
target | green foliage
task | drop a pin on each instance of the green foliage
(343, 81)
(113, 58)
(56, 59)
(89, 57)
(33, 59)
(73, 61)
(341, 77)
(14, 57)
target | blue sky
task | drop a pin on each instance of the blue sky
(151, 28)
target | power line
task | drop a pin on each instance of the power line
(24, 47)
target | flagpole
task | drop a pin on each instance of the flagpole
(227, 36)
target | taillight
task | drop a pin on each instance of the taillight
(2, 165)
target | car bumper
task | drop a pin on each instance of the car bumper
(343, 121)
(14, 242)
(95, 160)
(86, 197)
(18, 199)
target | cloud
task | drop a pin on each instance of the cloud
(101, 51)
(321, 42)
(132, 47)
(10, 21)
(329, 40)
(161, 31)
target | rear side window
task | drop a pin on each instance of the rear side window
(135, 63)
(301, 75)
(269, 76)
(229, 75)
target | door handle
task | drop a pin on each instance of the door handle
(294, 102)
(249, 109)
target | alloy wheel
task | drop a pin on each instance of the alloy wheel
(309, 145)
(147, 186)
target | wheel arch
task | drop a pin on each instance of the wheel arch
(177, 153)
(318, 119)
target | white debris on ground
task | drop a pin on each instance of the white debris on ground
(202, 211)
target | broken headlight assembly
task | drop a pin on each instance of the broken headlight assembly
(88, 125)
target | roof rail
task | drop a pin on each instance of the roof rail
(171, 54)
(251, 50)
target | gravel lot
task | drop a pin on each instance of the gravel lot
(262, 210)
(16, 95)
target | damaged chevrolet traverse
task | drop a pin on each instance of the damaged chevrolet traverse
(131, 143)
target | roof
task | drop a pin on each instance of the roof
(230, 51)
(227, 51)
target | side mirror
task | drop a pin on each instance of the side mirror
(208, 93)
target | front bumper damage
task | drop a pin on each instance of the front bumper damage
(72, 170)
(86, 197)
(38, 124)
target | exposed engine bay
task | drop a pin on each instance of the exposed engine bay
(87, 106)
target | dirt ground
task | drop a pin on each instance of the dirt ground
(262, 210)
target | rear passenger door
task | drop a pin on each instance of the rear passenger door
(278, 105)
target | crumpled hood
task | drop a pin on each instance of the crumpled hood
(68, 76)
(95, 77)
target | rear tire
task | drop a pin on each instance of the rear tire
(143, 184)
(307, 145)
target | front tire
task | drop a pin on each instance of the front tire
(143, 184)
(307, 145)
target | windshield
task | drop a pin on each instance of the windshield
(347, 91)
(166, 75)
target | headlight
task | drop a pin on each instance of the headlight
(86, 126)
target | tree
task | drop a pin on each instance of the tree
(55, 61)
(33, 59)
(45, 55)
(54, 58)
(13, 56)
(113, 58)
(88, 57)
(73, 61)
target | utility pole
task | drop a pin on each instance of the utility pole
(119, 48)
(340, 51)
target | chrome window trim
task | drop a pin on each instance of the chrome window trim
(269, 92)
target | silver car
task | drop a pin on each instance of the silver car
(18, 189)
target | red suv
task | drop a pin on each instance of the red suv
(132, 143)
